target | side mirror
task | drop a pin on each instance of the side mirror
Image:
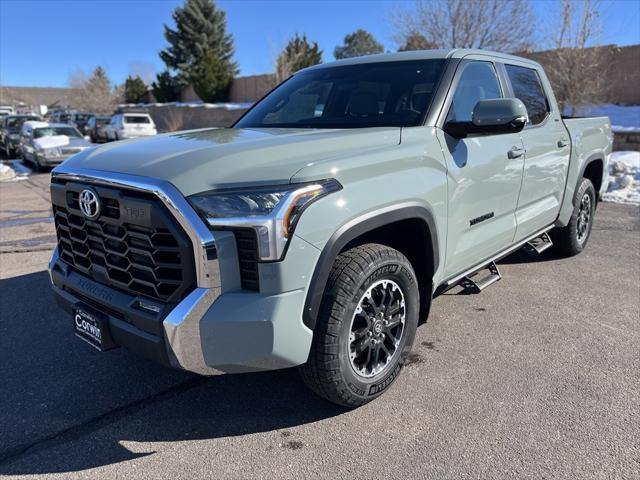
(492, 117)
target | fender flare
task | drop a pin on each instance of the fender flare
(352, 230)
(592, 158)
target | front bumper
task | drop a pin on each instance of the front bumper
(217, 327)
(206, 333)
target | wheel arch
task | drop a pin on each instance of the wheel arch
(394, 226)
(593, 169)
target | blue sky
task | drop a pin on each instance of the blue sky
(42, 42)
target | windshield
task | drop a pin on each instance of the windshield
(136, 119)
(350, 96)
(52, 131)
(15, 123)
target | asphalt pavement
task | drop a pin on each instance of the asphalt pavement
(536, 377)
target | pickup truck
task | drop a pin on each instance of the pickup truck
(316, 231)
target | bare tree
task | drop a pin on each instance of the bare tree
(92, 93)
(505, 25)
(574, 66)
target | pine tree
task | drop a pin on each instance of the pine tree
(298, 54)
(165, 88)
(357, 44)
(134, 88)
(211, 78)
(197, 44)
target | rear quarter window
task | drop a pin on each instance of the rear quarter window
(528, 88)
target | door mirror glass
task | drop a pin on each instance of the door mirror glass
(491, 117)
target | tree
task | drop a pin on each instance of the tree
(165, 88)
(298, 54)
(574, 68)
(211, 77)
(415, 41)
(198, 44)
(134, 88)
(503, 25)
(357, 44)
(92, 93)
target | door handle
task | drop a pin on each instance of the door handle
(563, 142)
(515, 152)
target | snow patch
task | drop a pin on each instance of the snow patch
(14, 171)
(624, 178)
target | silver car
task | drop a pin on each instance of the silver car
(45, 144)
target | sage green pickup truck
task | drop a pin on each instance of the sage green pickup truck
(316, 231)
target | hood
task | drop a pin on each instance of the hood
(51, 141)
(201, 160)
(60, 141)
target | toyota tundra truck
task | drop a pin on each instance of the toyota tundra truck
(315, 232)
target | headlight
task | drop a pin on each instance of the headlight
(49, 152)
(272, 212)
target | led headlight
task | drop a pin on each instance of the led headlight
(271, 211)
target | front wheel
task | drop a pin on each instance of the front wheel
(366, 325)
(572, 239)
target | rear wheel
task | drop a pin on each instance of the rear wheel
(366, 326)
(572, 239)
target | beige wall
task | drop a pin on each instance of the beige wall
(250, 89)
(171, 118)
(621, 70)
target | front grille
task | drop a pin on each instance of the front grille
(247, 246)
(70, 150)
(135, 245)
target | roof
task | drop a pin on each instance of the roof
(421, 55)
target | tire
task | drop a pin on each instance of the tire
(36, 164)
(573, 238)
(345, 324)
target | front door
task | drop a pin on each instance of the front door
(483, 182)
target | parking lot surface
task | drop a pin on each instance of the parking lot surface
(537, 377)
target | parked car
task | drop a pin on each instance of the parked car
(45, 144)
(130, 125)
(10, 126)
(95, 128)
(6, 110)
(316, 231)
(79, 120)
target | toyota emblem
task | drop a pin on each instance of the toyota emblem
(89, 204)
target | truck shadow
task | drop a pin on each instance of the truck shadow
(58, 390)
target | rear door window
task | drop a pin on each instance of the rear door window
(528, 89)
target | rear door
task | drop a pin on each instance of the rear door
(547, 148)
(483, 182)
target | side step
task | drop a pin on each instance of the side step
(476, 284)
(539, 244)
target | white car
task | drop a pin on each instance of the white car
(130, 125)
(44, 144)
(6, 110)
